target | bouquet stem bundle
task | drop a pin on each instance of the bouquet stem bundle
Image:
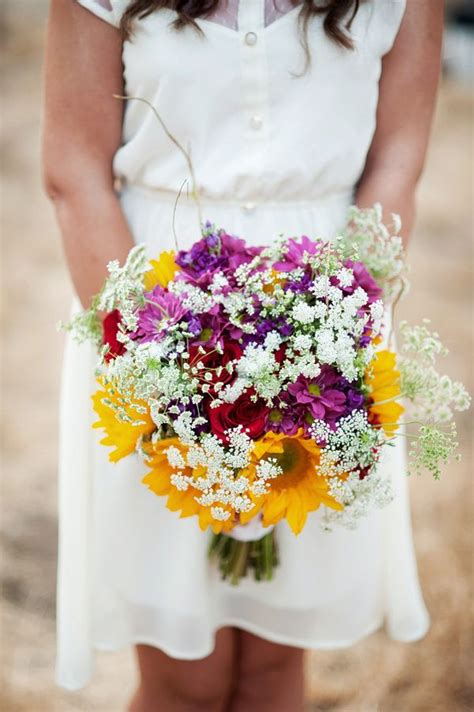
(236, 558)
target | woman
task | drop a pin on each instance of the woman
(285, 130)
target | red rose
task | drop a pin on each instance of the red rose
(212, 360)
(244, 411)
(280, 353)
(110, 327)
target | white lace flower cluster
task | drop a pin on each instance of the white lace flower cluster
(150, 371)
(349, 458)
(326, 324)
(122, 290)
(353, 446)
(359, 497)
(226, 493)
(368, 239)
(434, 396)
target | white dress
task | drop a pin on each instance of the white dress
(272, 153)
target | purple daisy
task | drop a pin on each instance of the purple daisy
(200, 262)
(215, 328)
(215, 252)
(320, 395)
(293, 257)
(284, 417)
(327, 397)
(264, 326)
(237, 251)
(300, 285)
(161, 311)
(362, 278)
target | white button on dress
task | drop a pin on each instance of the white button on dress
(250, 38)
(272, 153)
(256, 122)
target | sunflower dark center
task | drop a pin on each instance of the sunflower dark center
(293, 461)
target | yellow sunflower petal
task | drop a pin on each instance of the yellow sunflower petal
(245, 517)
(159, 482)
(189, 507)
(329, 501)
(156, 483)
(121, 434)
(383, 380)
(176, 500)
(299, 489)
(274, 508)
(207, 520)
(269, 443)
(297, 512)
(162, 271)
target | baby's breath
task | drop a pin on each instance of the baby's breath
(433, 448)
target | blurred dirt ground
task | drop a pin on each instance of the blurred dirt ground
(380, 675)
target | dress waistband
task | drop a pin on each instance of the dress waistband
(340, 197)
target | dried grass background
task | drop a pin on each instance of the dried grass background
(432, 675)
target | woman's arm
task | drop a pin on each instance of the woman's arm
(81, 131)
(408, 85)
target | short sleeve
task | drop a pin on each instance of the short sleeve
(105, 9)
(388, 15)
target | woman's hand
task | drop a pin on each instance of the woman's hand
(82, 128)
(408, 85)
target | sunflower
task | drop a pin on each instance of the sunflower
(383, 381)
(123, 422)
(299, 489)
(162, 271)
(159, 481)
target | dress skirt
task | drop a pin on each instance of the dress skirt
(130, 571)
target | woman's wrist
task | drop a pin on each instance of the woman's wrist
(395, 196)
(94, 231)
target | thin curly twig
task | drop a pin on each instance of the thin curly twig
(186, 153)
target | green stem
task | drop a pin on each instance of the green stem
(393, 306)
(239, 562)
(388, 400)
(267, 556)
(235, 558)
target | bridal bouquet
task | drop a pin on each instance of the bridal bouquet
(257, 383)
